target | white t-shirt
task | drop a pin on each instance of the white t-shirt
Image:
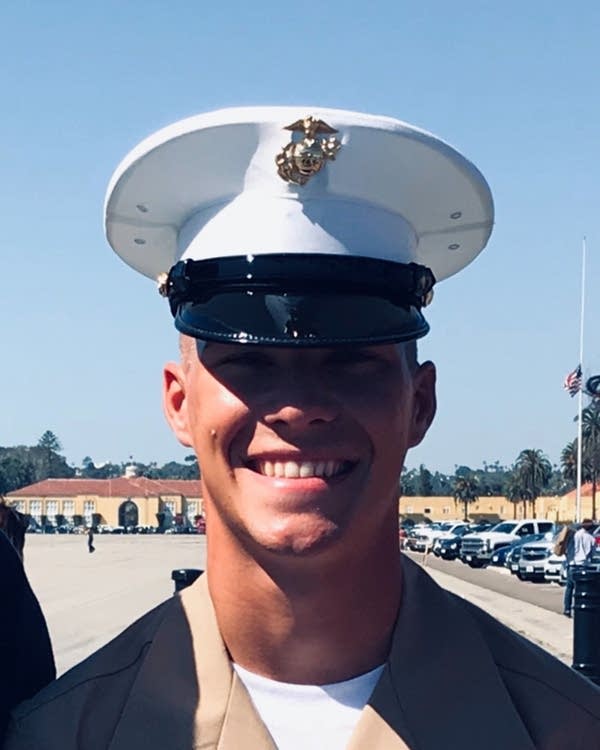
(583, 546)
(309, 717)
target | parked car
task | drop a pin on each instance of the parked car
(553, 568)
(499, 557)
(449, 529)
(594, 562)
(424, 536)
(448, 545)
(477, 549)
(513, 555)
(449, 548)
(532, 563)
(412, 534)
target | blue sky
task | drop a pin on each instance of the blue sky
(512, 85)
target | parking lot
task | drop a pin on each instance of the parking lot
(546, 595)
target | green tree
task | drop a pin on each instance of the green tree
(516, 492)
(424, 482)
(50, 442)
(466, 490)
(568, 462)
(590, 432)
(408, 482)
(15, 471)
(534, 471)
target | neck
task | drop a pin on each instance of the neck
(303, 620)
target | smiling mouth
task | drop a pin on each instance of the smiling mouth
(301, 469)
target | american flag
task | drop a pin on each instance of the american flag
(572, 382)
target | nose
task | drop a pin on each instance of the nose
(301, 403)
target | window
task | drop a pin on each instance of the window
(545, 526)
(35, 510)
(192, 510)
(409, 509)
(20, 505)
(446, 510)
(89, 506)
(171, 505)
(51, 510)
(526, 528)
(69, 510)
(427, 510)
(505, 528)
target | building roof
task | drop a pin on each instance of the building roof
(118, 487)
(586, 490)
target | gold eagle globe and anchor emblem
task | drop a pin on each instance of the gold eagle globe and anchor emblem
(300, 160)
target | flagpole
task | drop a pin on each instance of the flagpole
(580, 394)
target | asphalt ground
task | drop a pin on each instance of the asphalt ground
(90, 598)
(546, 595)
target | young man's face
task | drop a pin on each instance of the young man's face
(299, 449)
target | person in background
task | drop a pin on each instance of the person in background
(26, 658)
(580, 548)
(13, 524)
(90, 540)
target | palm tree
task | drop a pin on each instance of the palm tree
(568, 461)
(590, 431)
(516, 492)
(534, 471)
(465, 491)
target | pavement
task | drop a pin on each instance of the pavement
(90, 598)
(552, 631)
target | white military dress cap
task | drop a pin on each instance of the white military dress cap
(297, 226)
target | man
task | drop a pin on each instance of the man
(297, 250)
(90, 540)
(580, 548)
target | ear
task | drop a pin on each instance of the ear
(424, 402)
(175, 404)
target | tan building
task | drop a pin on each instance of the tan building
(124, 501)
(552, 508)
(133, 501)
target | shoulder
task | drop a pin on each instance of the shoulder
(543, 689)
(103, 680)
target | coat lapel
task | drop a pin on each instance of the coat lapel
(373, 732)
(441, 687)
(186, 694)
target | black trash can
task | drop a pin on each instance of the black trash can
(184, 577)
(586, 624)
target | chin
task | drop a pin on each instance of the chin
(298, 537)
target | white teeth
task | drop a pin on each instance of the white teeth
(292, 470)
(305, 469)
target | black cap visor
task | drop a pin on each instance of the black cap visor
(321, 304)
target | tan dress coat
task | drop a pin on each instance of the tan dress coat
(455, 678)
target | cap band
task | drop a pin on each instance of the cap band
(291, 300)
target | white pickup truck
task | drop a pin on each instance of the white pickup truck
(477, 549)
